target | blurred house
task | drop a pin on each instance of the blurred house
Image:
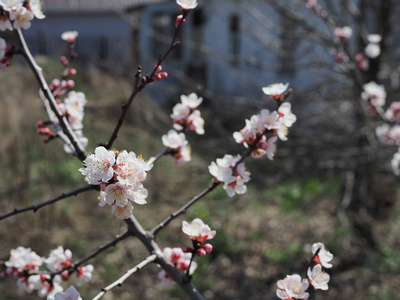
(228, 47)
(105, 29)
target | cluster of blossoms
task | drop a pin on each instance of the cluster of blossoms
(185, 117)
(182, 259)
(231, 173)
(24, 264)
(74, 102)
(294, 287)
(18, 14)
(198, 232)
(387, 134)
(230, 170)
(119, 175)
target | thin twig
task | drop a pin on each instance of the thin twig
(38, 206)
(128, 273)
(183, 209)
(112, 243)
(78, 149)
(141, 83)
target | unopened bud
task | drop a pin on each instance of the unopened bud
(63, 60)
(201, 252)
(72, 72)
(208, 247)
(44, 131)
(187, 249)
(70, 84)
(156, 77)
(65, 275)
(179, 21)
(103, 186)
(39, 124)
(43, 277)
(55, 83)
(159, 69)
(163, 75)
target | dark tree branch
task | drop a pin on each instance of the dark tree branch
(77, 148)
(38, 206)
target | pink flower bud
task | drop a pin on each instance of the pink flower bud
(157, 77)
(201, 252)
(208, 247)
(65, 275)
(55, 83)
(63, 60)
(103, 186)
(63, 83)
(159, 68)
(72, 72)
(187, 249)
(179, 20)
(163, 75)
(39, 124)
(70, 84)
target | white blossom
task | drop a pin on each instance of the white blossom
(24, 258)
(196, 122)
(222, 169)
(69, 36)
(58, 259)
(180, 111)
(275, 90)
(70, 294)
(21, 17)
(343, 33)
(292, 287)
(396, 163)
(324, 256)
(372, 50)
(374, 93)
(122, 212)
(131, 169)
(318, 278)
(374, 38)
(187, 4)
(36, 7)
(174, 140)
(287, 118)
(183, 155)
(119, 194)
(270, 119)
(99, 166)
(84, 274)
(198, 231)
(191, 100)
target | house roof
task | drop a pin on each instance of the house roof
(68, 6)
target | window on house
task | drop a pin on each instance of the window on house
(234, 37)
